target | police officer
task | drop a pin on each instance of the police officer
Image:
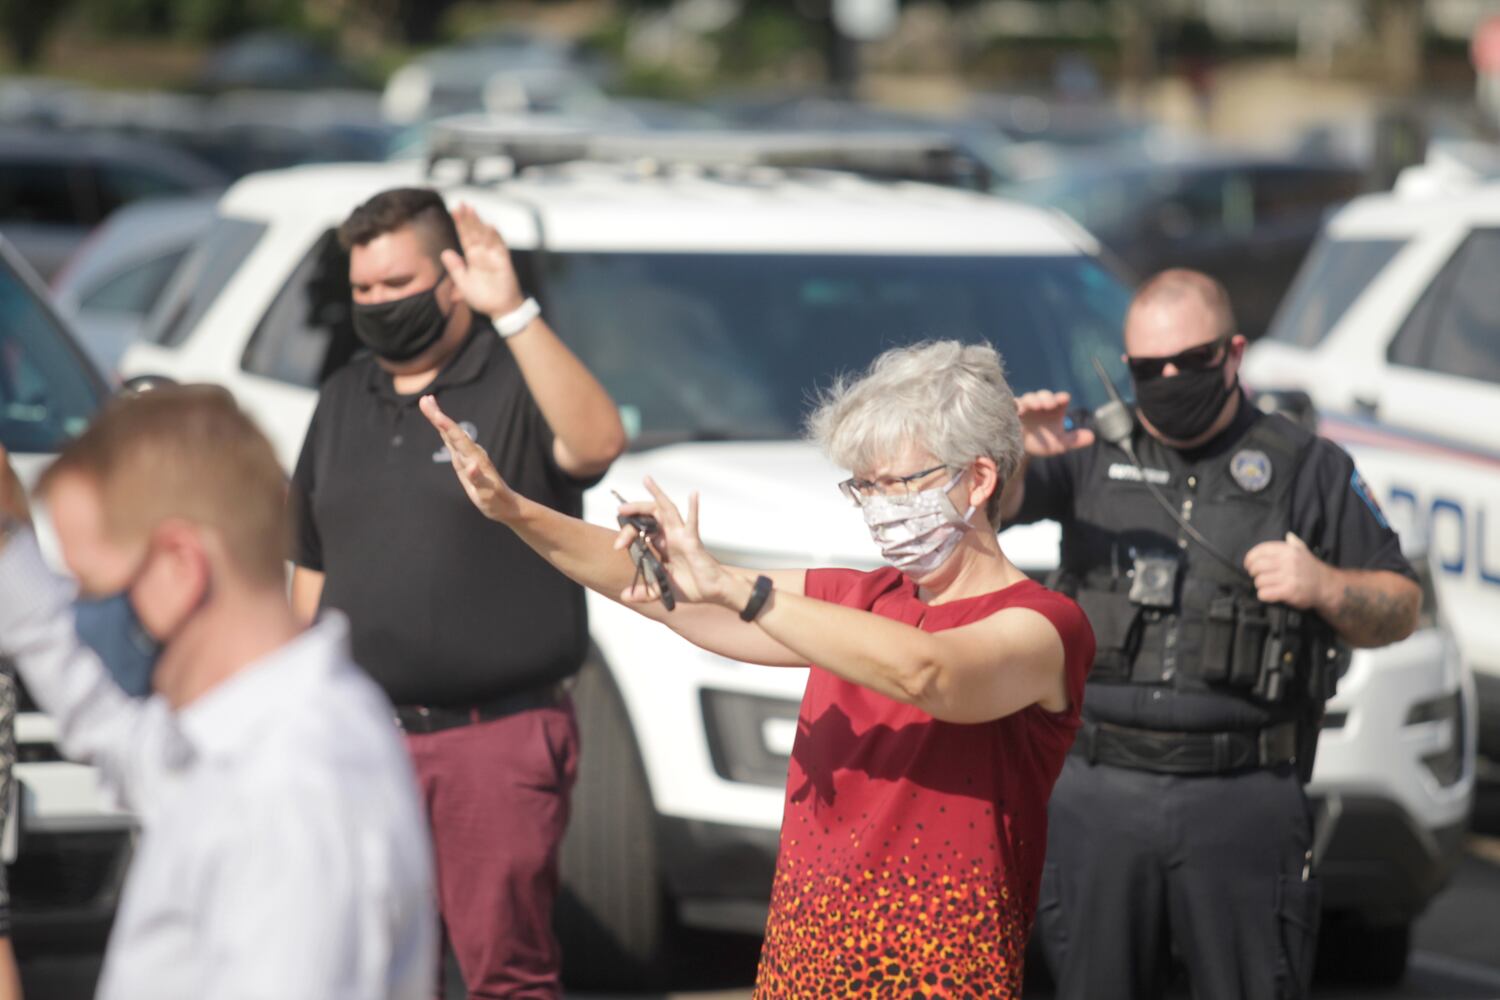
(1226, 558)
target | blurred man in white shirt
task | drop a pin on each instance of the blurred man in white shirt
(283, 853)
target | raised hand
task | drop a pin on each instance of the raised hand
(483, 274)
(697, 577)
(12, 493)
(490, 493)
(1043, 428)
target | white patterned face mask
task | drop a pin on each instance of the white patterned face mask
(917, 532)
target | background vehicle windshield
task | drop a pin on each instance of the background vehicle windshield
(706, 346)
(47, 392)
(1335, 274)
(715, 345)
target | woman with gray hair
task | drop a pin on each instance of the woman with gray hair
(943, 696)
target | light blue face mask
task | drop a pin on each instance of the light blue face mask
(110, 627)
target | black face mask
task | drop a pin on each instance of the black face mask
(401, 329)
(1184, 405)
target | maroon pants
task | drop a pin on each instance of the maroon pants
(497, 799)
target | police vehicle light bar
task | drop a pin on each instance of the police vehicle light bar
(929, 156)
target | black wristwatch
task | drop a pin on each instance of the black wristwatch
(758, 598)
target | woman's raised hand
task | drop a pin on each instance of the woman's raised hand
(697, 577)
(491, 494)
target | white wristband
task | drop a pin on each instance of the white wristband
(517, 319)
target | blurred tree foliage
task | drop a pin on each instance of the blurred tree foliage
(26, 24)
(205, 20)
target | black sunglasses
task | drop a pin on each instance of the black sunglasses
(1194, 359)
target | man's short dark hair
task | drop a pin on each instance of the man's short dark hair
(421, 208)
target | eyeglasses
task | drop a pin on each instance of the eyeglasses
(859, 490)
(1194, 359)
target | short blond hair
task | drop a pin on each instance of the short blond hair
(185, 452)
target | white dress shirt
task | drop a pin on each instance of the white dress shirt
(283, 852)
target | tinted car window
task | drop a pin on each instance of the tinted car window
(47, 392)
(1300, 194)
(195, 285)
(308, 333)
(1336, 272)
(38, 192)
(133, 290)
(1106, 204)
(1212, 201)
(725, 345)
(122, 183)
(1455, 328)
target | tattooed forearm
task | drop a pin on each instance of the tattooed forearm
(1376, 612)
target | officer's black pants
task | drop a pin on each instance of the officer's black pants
(1143, 867)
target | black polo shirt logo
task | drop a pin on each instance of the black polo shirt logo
(443, 455)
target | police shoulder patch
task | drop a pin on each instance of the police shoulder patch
(1362, 490)
(1251, 469)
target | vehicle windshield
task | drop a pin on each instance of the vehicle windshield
(1336, 272)
(47, 392)
(709, 346)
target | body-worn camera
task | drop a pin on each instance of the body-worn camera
(1153, 581)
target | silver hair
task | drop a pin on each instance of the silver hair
(948, 398)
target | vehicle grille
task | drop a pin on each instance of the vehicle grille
(68, 871)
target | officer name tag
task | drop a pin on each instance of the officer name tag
(1128, 473)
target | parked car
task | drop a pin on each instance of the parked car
(1395, 318)
(502, 72)
(711, 299)
(72, 843)
(56, 186)
(108, 287)
(236, 132)
(1246, 220)
(274, 60)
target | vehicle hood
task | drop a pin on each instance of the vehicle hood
(769, 505)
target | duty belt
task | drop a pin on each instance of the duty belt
(1187, 753)
(434, 718)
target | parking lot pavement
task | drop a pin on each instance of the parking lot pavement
(1456, 956)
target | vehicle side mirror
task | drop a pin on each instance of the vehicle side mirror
(1294, 404)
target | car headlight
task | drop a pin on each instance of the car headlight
(1446, 765)
(750, 736)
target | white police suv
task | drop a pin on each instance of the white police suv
(712, 289)
(1393, 329)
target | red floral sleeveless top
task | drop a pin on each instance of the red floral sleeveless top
(911, 849)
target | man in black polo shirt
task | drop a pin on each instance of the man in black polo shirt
(470, 633)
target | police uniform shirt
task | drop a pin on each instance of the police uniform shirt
(445, 606)
(1332, 511)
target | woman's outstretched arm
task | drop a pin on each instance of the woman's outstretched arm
(596, 557)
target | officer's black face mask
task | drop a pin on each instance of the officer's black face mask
(1184, 405)
(401, 329)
